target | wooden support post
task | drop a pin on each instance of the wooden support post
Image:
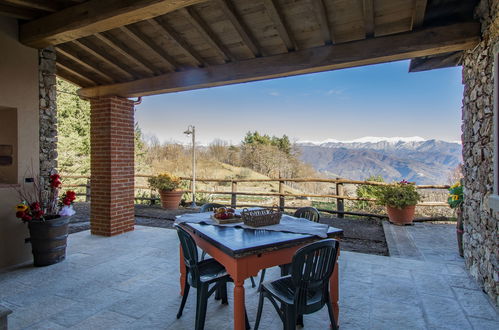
(340, 202)
(233, 199)
(281, 196)
(153, 199)
(87, 191)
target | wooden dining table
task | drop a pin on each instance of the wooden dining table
(244, 252)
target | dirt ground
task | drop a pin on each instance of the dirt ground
(360, 235)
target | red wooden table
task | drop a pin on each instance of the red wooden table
(244, 252)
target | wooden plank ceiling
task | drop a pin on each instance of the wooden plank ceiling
(143, 47)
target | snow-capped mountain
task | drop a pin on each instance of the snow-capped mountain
(395, 158)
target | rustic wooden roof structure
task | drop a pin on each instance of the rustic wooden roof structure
(144, 47)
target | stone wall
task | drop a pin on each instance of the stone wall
(48, 113)
(481, 223)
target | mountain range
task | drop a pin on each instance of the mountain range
(397, 158)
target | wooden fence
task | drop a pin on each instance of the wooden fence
(339, 196)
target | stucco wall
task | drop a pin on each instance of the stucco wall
(480, 223)
(18, 89)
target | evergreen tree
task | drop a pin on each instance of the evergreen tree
(73, 145)
(73, 116)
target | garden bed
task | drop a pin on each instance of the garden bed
(360, 235)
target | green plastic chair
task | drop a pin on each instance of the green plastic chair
(309, 213)
(200, 275)
(306, 290)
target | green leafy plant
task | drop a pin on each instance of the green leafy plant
(368, 191)
(456, 195)
(164, 181)
(398, 195)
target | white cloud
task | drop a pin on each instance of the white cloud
(334, 92)
(275, 94)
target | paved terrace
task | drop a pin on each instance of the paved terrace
(131, 282)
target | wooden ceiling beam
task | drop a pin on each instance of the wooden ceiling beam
(193, 17)
(169, 33)
(83, 80)
(92, 17)
(45, 5)
(65, 51)
(435, 62)
(128, 53)
(20, 13)
(418, 13)
(144, 41)
(321, 12)
(105, 57)
(282, 27)
(368, 8)
(241, 28)
(401, 46)
(76, 67)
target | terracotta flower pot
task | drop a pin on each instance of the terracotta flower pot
(401, 216)
(170, 199)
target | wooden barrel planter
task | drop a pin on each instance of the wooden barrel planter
(48, 240)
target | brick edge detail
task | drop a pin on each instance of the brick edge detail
(112, 166)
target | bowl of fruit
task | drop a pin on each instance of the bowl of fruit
(225, 215)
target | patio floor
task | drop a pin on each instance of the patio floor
(131, 282)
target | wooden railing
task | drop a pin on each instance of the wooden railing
(339, 196)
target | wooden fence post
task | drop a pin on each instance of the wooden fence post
(233, 198)
(281, 196)
(340, 202)
(87, 191)
(152, 201)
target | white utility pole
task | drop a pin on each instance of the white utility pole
(191, 130)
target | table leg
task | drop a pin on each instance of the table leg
(239, 317)
(182, 271)
(334, 292)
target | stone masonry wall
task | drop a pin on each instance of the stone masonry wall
(480, 222)
(48, 113)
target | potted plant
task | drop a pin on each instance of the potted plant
(455, 201)
(47, 216)
(167, 185)
(400, 200)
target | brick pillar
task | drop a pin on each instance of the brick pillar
(112, 165)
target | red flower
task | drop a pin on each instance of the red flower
(20, 214)
(27, 217)
(55, 180)
(55, 183)
(38, 214)
(66, 201)
(71, 195)
(35, 206)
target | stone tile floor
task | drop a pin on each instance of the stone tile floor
(131, 282)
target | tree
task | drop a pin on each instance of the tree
(254, 138)
(73, 143)
(73, 126)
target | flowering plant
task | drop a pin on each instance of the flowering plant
(398, 195)
(34, 206)
(456, 196)
(164, 181)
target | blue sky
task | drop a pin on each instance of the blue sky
(376, 100)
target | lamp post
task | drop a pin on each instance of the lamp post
(191, 130)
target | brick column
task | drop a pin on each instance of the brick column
(112, 165)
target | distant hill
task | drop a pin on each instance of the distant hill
(395, 159)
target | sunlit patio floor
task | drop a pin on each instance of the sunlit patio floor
(131, 282)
